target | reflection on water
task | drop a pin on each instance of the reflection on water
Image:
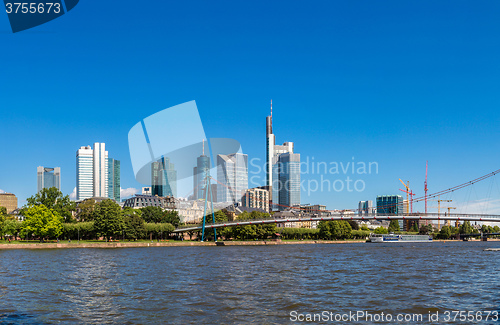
(243, 285)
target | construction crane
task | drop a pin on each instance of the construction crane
(409, 201)
(439, 209)
(425, 188)
(448, 221)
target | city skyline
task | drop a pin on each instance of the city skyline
(406, 86)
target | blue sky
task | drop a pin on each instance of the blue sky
(392, 82)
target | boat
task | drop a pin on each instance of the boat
(394, 238)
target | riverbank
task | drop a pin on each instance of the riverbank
(185, 243)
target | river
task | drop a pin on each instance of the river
(248, 284)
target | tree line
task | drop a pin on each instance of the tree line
(50, 215)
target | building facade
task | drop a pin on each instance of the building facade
(365, 207)
(200, 174)
(114, 179)
(391, 205)
(232, 177)
(142, 201)
(8, 201)
(48, 177)
(163, 178)
(282, 170)
(93, 176)
(257, 198)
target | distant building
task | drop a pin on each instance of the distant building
(48, 177)
(232, 177)
(93, 176)
(146, 191)
(391, 205)
(200, 173)
(256, 198)
(288, 169)
(163, 178)
(8, 201)
(365, 207)
(316, 209)
(141, 201)
(282, 170)
(114, 179)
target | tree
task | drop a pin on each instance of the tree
(12, 227)
(354, 224)
(86, 210)
(394, 226)
(152, 214)
(445, 232)
(108, 219)
(380, 230)
(134, 226)
(466, 228)
(171, 217)
(42, 222)
(54, 200)
(425, 229)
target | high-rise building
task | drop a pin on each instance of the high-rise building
(390, 205)
(200, 174)
(257, 198)
(282, 173)
(232, 177)
(93, 175)
(8, 201)
(289, 180)
(365, 207)
(114, 179)
(48, 177)
(163, 178)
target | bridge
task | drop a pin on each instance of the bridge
(346, 217)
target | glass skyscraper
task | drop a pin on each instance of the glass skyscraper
(232, 177)
(93, 176)
(282, 170)
(163, 178)
(114, 179)
(200, 173)
(48, 177)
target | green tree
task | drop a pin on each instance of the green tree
(108, 219)
(354, 224)
(466, 228)
(394, 226)
(86, 210)
(42, 222)
(12, 227)
(134, 226)
(380, 230)
(54, 200)
(152, 214)
(426, 229)
(171, 217)
(445, 232)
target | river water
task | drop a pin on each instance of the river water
(248, 285)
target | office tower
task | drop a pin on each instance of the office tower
(114, 179)
(8, 201)
(92, 173)
(232, 177)
(289, 180)
(365, 207)
(48, 177)
(257, 198)
(275, 181)
(200, 173)
(163, 178)
(390, 205)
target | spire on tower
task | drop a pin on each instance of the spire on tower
(271, 108)
(203, 147)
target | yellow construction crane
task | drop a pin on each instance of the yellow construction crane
(439, 210)
(457, 223)
(409, 201)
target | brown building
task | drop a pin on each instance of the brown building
(9, 201)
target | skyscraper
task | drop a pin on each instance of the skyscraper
(163, 178)
(232, 177)
(200, 173)
(280, 174)
(48, 177)
(92, 173)
(114, 179)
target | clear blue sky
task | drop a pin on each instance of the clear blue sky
(395, 82)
